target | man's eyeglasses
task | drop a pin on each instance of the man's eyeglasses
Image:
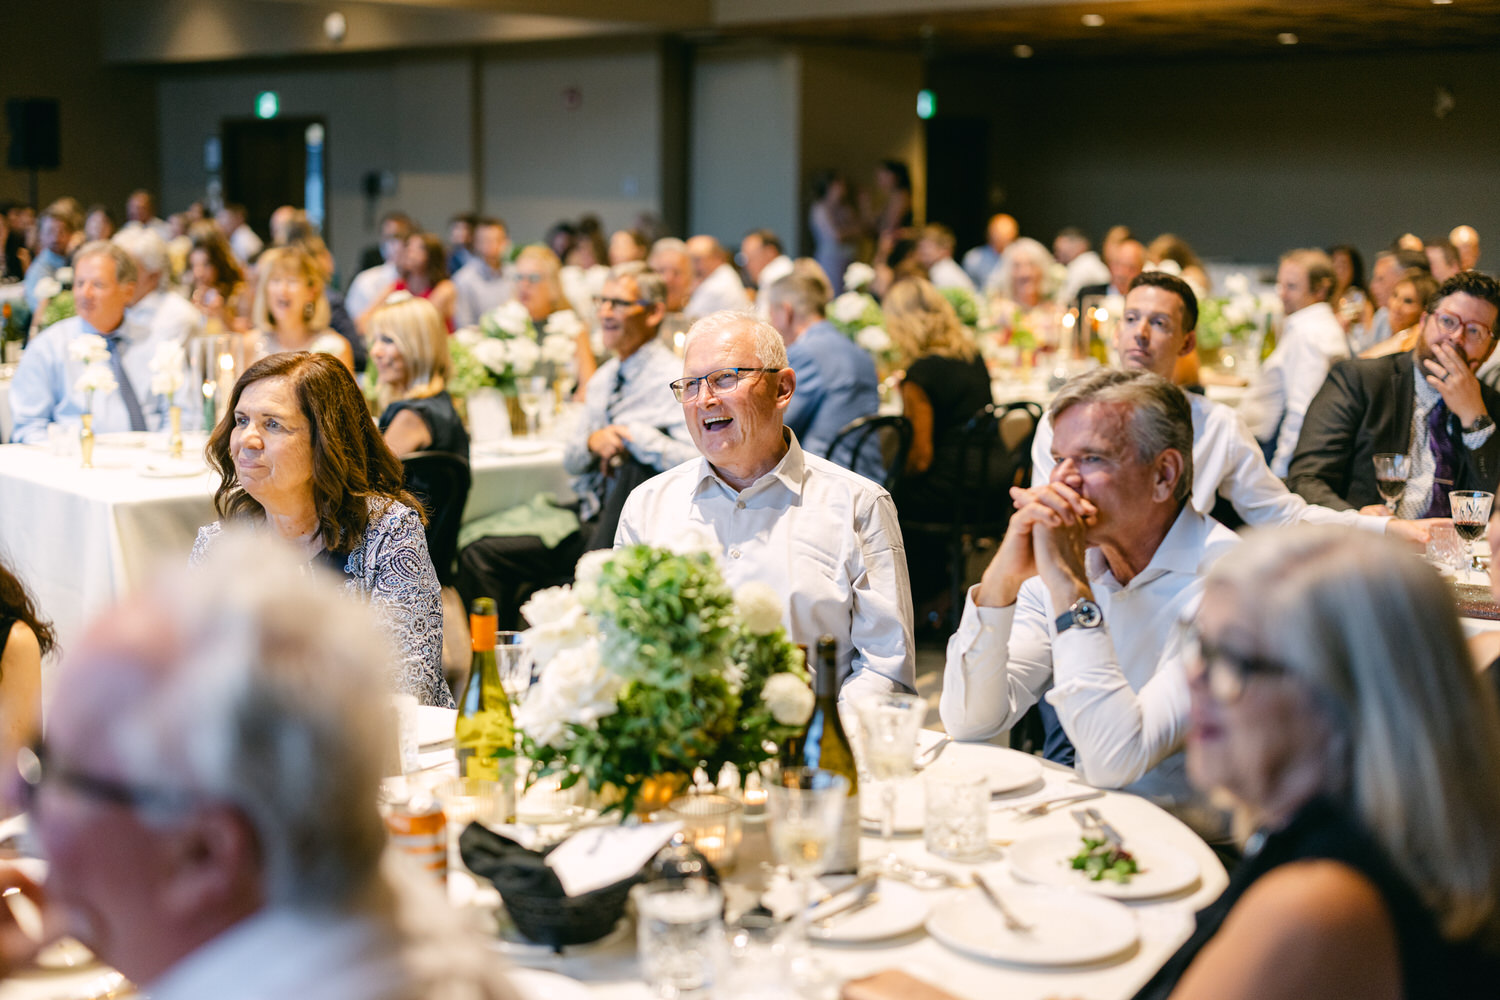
(600, 301)
(1225, 671)
(35, 769)
(1473, 333)
(530, 279)
(723, 382)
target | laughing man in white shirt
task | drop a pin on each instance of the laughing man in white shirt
(823, 536)
(1096, 568)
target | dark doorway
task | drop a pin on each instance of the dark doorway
(958, 177)
(272, 163)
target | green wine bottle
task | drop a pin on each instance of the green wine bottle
(824, 744)
(485, 726)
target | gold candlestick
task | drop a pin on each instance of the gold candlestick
(174, 443)
(86, 441)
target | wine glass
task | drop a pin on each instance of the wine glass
(1471, 512)
(513, 661)
(530, 395)
(888, 725)
(805, 806)
(1391, 473)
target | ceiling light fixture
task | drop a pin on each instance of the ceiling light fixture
(1287, 38)
(1093, 20)
(1441, 3)
(1022, 51)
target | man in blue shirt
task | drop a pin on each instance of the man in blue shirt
(486, 281)
(836, 381)
(56, 232)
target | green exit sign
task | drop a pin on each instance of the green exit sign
(267, 104)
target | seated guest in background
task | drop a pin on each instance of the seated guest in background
(409, 349)
(55, 233)
(286, 218)
(290, 311)
(669, 259)
(1403, 309)
(1156, 328)
(1425, 404)
(1442, 258)
(140, 210)
(155, 306)
(299, 458)
(935, 251)
(822, 536)
(1311, 341)
(486, 281)
(765, 263)
(631, 430)
(374, 282)
(44, 389)
(306, 239)
(1021, 287)
(982, 260)
(836, 381)
(217, 284)
(422, 264)
(626, 245)
(1125, 257)
(98, 224)
(460, 240)
(242, 239)
(1095, 568)
(1085, 267)
(1390, 267)
(25, 637)
(1170, 250)
(539, 288)
(717, 284)
(206, 800)
(1465, 240)
(1333, 701)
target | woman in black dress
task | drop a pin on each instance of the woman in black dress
(409, 349)
(1334, 701)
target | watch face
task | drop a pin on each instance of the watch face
(1087, 614)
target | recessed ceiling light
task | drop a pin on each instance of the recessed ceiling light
(1022, 51)
(1287, 38)
(1093, 20)
(1441, 3)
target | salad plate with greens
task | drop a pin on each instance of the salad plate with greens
(1139, 867)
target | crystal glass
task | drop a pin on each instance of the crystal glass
(805, 806)
(888, 726)
(1471, 513)
(530, 393)
(680, 936)
(1391, 472)
(1444, 549)
(514, 662)
(711, 823)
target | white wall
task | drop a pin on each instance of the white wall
(567, 133)
(744, 153)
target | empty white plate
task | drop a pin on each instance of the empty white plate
(900, 909)
(1067, 928)
(1046, 859)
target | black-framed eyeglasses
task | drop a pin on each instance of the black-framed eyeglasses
(35, 769)
(1224, 670)
(600, 301)
(1453, 325)
(722, 382)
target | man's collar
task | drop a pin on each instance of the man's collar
(1181, 551)
(1427, 396)
(790, 472)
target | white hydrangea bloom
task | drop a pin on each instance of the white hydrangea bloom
(873, 339)
(558, 622)
(575, 688)
(168, 366)
(759, 607)
(512, 318)
(563, 323)
(96, 378)
(858, 276)
(523, 355)
(789, 698)
(88, 348)
(559, 349)
(491, 353)
(848, 308)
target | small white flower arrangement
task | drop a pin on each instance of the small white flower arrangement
(168, 369)
(88, 349)
(859, 276)
(95, 377)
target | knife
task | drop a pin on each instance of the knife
(840, 900)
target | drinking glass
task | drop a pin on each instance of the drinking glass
(956, 822)
(888, 725)
(1391, 473)
(532, 390)
(1471, 512)
(680, 936)
(805, 806)
(513, 660)
(1444, 548)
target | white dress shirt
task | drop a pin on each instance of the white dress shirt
(167, 315)
(367, 286)
(722, 289)
(947, 274)
(1120, 690)
(1310, 343)
(1227, 462)
(1084, 270)
(817, 533)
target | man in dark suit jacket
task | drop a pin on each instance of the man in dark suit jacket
(1442, 423)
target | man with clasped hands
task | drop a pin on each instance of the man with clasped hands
(1096, 569)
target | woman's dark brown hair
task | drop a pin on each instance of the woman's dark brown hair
(350, 460)
(207, 236)
(16, 603)
(436, 270)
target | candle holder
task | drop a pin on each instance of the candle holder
(711, 823)
(174, 443)
(86, 441)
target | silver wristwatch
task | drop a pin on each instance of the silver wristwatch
(1084, 613)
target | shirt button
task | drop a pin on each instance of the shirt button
(740, 504)
(734, 553)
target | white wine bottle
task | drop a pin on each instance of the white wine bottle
(824, 744)
(485, 727)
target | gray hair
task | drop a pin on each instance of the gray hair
(269, 692)
(143, 244)
(770, 349)
(806, 293)
(125, 269)
(648, 284)
(1160, 417)
(666, 245)
(1415, 748)
(1022, 248)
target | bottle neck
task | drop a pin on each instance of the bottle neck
(827, 679)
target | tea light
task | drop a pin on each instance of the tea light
(711, 824)
(754, 798)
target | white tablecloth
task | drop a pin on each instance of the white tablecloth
(4, 410)
(80, 538)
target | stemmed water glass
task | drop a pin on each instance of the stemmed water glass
(888, 725)
(805, 806)
(532, 392)
(514, 663)
(1391, 472)
(1471, 512)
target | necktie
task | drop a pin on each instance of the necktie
(614, 396)
(1445, 460)
(127, 392)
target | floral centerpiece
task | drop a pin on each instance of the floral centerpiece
(965, 304)
(859, 317)
(1230, 327)
(652, 667)
(92, 352)
(506, 346)
(55, 294)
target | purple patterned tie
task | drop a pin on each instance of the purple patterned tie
(1445, 460)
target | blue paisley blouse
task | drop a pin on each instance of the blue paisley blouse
(392, 569)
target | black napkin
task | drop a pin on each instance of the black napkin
(511, 867)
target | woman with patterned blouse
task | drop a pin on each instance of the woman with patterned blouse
(299, 457)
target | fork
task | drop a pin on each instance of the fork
(1013, 923)
(1045, 806)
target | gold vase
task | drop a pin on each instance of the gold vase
(657, 791)
(518, 422)
(174, 443)
(86, 441)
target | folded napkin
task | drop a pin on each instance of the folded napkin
(511, 867)
(538, 516)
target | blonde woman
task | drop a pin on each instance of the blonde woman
(1333, 700)
(539, 288)
(290, 312)
(409, 349)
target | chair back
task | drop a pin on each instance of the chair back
(873, 446)
(995, 454)
(441, 480)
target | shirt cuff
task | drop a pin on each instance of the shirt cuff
(1373, 523)
(1474, 440)
(979, 622)
(1079, 657)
